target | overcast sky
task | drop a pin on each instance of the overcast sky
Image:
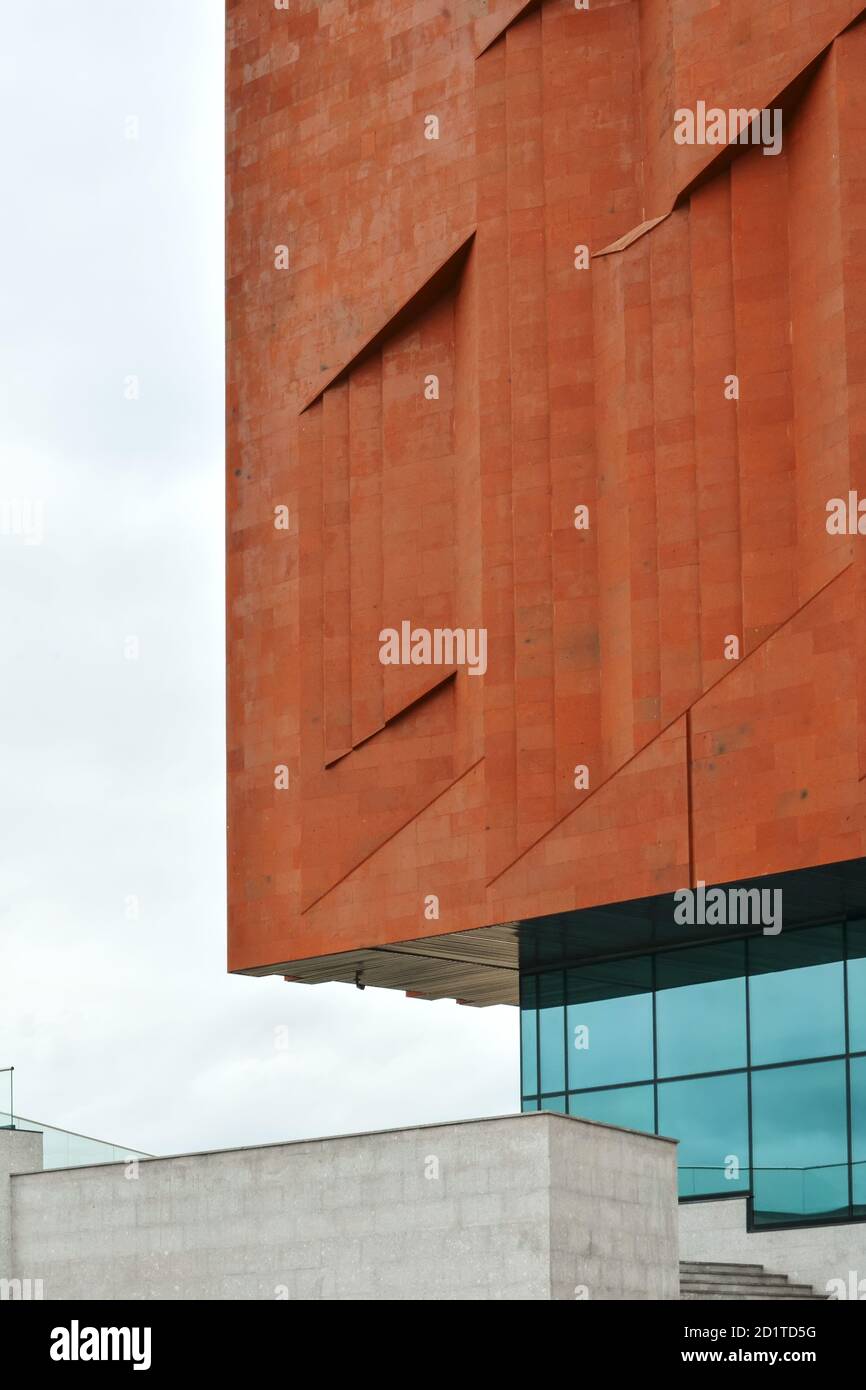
(115, 1007)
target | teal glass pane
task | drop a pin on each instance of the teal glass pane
(796, 995)
(528, 1104)
(610, 1023)
(701, 1009)
(528, 1036)
(551, 1029)
(710, 1118)
(555, 1103)
(800, 1142)
(858, 1132)
(631, 1107)
(857, 986)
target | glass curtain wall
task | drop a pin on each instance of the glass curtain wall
(751, 1053)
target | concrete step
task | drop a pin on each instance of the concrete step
(742, 1276)
(747, 1291)
(704, 1279)
(749, 1297)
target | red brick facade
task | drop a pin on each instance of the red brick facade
(366, 258)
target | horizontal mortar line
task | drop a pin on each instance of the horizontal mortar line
(737, 666)
(394, 833)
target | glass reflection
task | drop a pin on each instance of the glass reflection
(701, 1009)
(610, 1024)
(796, 997)
(710, 1118)
(551, 1025)
(800, 1141)
(528, 1036)
(857, 986)
(593, 1028)
(631, 1107)
(555, 1103)
(858, 1132)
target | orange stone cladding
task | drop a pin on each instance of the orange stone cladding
(558, 387)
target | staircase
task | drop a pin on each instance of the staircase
(701, 1280)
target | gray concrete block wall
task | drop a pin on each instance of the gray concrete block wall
(20, 1152)
(613, 1214)
(813, 1255)
(489, 1209)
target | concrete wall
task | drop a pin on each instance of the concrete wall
(20, 1151)
(523, 1207)
(813, 1255)
(613, 1208)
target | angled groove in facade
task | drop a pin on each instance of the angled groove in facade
(670, 336)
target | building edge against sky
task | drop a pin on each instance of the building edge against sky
(479, 316)
(504, 357)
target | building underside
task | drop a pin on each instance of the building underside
(484, 966)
